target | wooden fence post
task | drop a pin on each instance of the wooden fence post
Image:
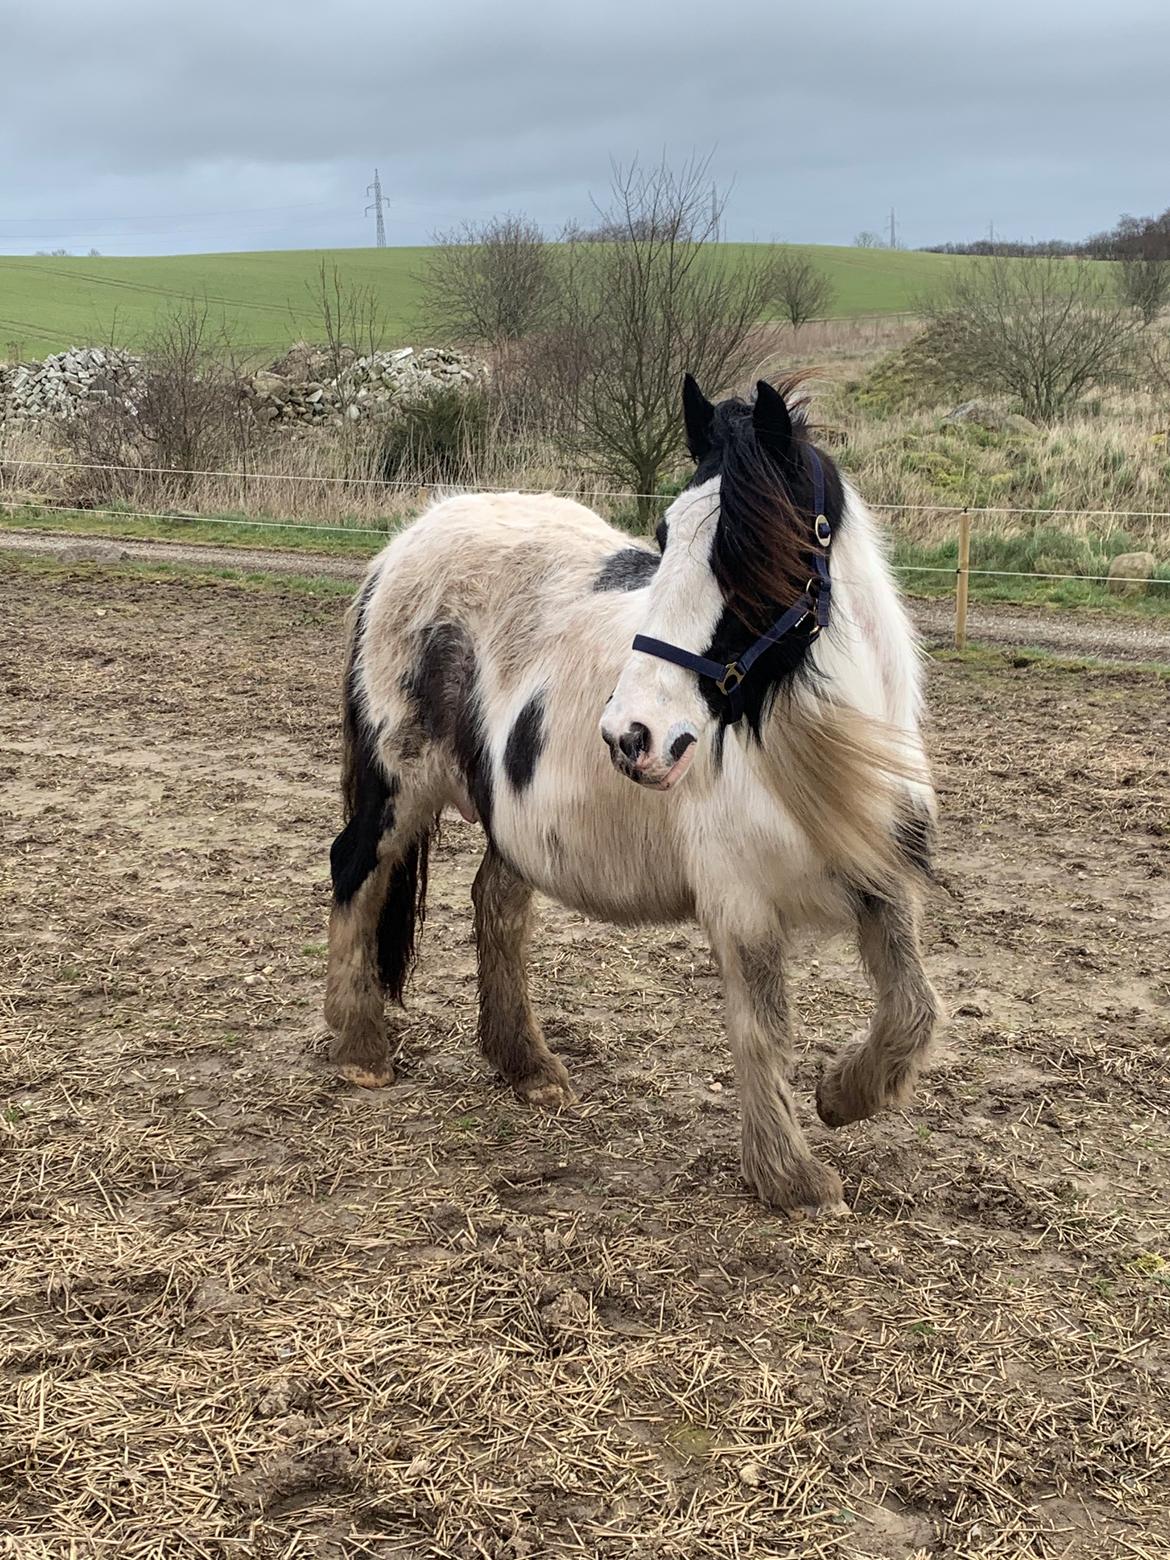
(961, 578)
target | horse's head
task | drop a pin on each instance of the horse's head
(740, 555)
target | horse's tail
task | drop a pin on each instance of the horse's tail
(391, 880)
(404, 909)
(861, 792)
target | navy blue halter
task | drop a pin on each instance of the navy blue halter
(812, 603)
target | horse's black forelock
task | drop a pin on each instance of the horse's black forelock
(762, 549)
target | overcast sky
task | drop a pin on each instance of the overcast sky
(159, 126)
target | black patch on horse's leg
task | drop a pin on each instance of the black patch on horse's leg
(525, 743)
(437, 680)
(629, 569)
(354, 853)
(442, 686)
(472, 753)
(403, 912)
(914, 834)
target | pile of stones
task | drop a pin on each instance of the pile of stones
(62, 386)
(306, 385)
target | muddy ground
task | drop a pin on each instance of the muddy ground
(250, 1311)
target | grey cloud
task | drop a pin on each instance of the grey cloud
(1046, 117)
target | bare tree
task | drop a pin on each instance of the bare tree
(868, 240)
(802, 291)
(632, 317)
(489, 284)
(1043, 330)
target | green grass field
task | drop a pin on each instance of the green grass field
(265, 298)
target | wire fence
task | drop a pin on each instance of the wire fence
(393, 484)
(962, 572)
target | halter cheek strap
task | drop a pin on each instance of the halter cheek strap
(813, 603)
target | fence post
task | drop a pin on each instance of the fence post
(961, 578)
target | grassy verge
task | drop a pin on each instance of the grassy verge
(930, 571)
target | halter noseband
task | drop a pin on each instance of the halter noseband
(813, 602)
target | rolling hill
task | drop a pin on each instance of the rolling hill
(265, 299)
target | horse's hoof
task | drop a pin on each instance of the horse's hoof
(366, 1077)
(836, 1106)
(806, 1190)
(806, 1212)
(547, 1093)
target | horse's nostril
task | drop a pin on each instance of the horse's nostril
(634, 741)
(680, 744)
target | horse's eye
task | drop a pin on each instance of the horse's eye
(660, 536)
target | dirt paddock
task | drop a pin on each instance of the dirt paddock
(246, 1310)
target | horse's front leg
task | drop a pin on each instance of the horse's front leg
(880, 1071)
(777, 1161)
(509, 1035)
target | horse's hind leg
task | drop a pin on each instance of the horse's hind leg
(379, 864)
(508, 1032)
(880, 1071)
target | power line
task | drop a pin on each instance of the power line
(166, 216)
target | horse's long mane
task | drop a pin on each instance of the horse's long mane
(764, 538)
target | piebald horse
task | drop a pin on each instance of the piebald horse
(724, 729)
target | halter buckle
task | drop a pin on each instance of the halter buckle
(733, 675)
(824, 532)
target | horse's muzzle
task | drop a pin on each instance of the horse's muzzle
(632, 755)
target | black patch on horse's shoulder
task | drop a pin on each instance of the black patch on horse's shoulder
(525, 743)
(629, 569)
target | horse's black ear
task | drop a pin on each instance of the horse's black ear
(771, 421)
(698, 417)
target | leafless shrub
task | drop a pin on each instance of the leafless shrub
(800, 288)
(489, 284)
(1154, 367)
(353, 323)
(1144, 284)
(186, 414)
(1042, 330)
(631, 317)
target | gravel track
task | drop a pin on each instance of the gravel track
(1095, 635)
